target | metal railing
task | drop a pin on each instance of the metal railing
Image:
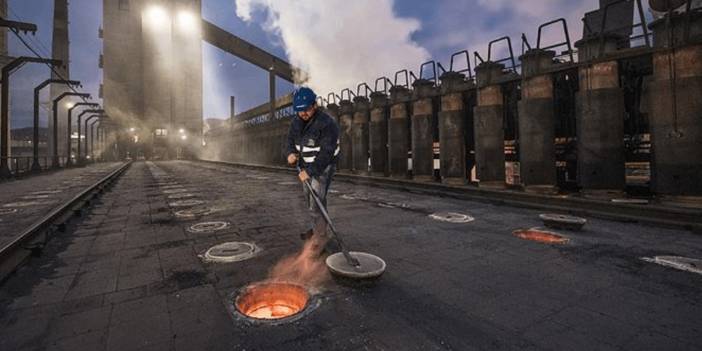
(22, 165)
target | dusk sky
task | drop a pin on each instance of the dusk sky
(342, 43)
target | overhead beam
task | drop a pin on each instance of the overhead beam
(247, 51)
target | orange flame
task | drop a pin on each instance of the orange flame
(540, 236)
(304, 268)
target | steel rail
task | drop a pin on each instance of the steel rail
(45, 222)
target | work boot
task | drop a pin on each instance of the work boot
(306, 235)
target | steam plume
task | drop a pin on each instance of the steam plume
(340, 43)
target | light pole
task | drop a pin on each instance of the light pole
(5, 107)
(55, 161)
(92, 138)
(85, 148)
(100, 138)
(35, 139)
(69, 127)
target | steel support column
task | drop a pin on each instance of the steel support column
(537, 149)
(55, 159)
(399, 131)
(675, 106)
(5, 108)
(36, 167)
(345, 135)
(378, 134)
(488, 124)
(422, 131)
(600, 122)
(359, 132)
(453, 121)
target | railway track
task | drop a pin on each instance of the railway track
(31, 240)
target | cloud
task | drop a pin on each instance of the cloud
(472, 24)
(340, 43)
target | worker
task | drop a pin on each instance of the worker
(313, 145)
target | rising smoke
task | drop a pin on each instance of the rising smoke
(340, 43)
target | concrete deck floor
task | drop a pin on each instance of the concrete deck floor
(127, 276)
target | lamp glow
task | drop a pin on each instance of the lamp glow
(186, 22)
(156, 16)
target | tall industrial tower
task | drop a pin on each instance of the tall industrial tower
(60, 51)
(152, 72)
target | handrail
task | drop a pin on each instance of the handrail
(349, 94)
(565, 31)
(385, 84)
(365, 93)
(508, 58)
(406, 85)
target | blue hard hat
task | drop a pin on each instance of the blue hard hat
(303, 98)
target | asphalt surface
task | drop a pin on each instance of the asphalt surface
(129, 275)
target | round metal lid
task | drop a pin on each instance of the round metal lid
(6, 211)
(180, 196)
(192, 212)
(24, 204)
(175, 191)
(172, 186)
(208, 227)
(35, 196)
(45, 192)
(354, 197)
(371, 266)
(255, 177)
(231, 252)
(393, 204)
(451, 217)
(185, 203)
(562, 221)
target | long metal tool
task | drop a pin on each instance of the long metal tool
(350, 259)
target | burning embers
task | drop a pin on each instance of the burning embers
(272, 301)
(541, 236)
(285, 295)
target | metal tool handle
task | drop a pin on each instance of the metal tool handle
(350, 259)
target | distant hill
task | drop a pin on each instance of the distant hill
(27, 133)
